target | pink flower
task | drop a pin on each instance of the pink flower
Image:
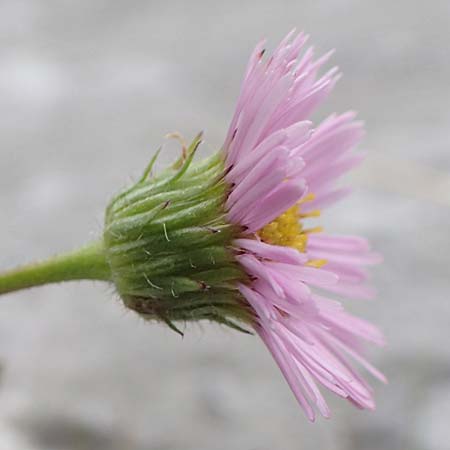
(283, 170)
(185, 245)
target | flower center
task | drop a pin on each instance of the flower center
(287, 230)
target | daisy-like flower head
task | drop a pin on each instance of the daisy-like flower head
(224, 239)
(283, 170)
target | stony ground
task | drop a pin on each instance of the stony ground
(88, 89)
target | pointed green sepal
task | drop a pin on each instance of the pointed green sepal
(169, 245)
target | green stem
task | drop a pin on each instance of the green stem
(86, 263)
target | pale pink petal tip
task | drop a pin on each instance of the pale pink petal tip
(271, 140)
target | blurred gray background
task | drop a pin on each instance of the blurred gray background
(88, 89)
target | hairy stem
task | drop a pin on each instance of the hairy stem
(86, 263)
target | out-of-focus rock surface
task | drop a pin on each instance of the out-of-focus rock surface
(88, 89)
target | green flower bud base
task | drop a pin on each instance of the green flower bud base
(169, 246)
(166, 246)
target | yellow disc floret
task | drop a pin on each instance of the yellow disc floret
(287, 230)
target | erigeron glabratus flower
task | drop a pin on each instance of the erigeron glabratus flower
(224, 239)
